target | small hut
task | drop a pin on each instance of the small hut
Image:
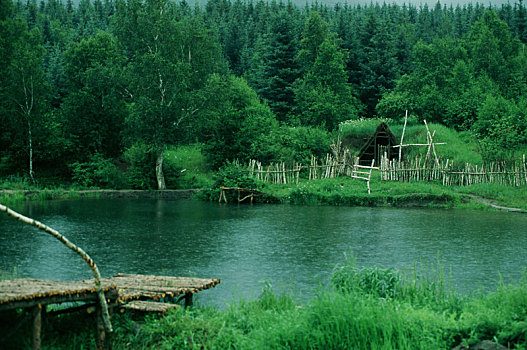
(382, 141)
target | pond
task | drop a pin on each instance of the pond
(290, 247)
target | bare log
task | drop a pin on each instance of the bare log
(76, 249)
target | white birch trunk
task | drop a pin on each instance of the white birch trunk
(31, 174)
(159, 170)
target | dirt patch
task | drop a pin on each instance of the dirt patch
(492, 204)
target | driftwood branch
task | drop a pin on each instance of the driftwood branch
(76, 249)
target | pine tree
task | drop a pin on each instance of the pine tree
(324, 96)
(278, 70)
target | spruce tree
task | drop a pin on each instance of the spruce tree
(278, 71)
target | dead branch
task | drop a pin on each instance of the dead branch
(76, 249)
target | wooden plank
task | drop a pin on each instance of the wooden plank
(26, 292)
(149, 306)
(22, 293)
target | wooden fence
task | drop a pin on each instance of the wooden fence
(280, 173)
(329, 167)
(276, 173)
(449, 174)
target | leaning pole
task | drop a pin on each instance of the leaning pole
(93, 267)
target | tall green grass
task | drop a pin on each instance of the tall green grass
(362, 308)
(194, 171)
(459, 147)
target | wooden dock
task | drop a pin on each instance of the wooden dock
(123, 291)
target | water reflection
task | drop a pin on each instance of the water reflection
(247, 245)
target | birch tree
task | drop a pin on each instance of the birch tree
(28, 82)
(23, 80)
(170, 59)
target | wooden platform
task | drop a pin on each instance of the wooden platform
(122, 291)
(26, 292)
(144, 287)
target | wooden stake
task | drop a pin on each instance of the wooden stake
(402, 135)
(37, 326)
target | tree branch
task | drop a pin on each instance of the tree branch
(76, 249)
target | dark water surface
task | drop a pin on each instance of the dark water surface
(247, 246)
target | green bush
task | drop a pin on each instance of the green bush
(298, 144)
(141, 172)
(15, 182)
(233, 175)
(98, 172)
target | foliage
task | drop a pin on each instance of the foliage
(194, 172)
(104, 76)
(98, 172)
(234, 123)
(501, 127)
(299, 144)
(233, 175)
(357, 317)
(171, 62)
(276, 68)
(376, 281)
(324, 97)
(499, 315)
(94, 110)
(140, 172)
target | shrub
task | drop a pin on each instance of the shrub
(97, 172)
(232, 175)
(298, 144)
(141, 173)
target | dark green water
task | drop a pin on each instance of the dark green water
(246, 245)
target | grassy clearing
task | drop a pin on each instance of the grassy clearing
(194, 170)
(362, 308)
(353, 192)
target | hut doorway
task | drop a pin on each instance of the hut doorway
(382, 141)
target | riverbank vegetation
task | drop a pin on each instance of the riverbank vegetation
(102, 94)
(360, 308)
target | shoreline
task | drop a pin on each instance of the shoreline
(410, 200)
(106, 194)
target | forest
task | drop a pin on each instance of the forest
(98, 93)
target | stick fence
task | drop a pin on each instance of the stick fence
(449, 174)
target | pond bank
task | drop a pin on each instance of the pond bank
(326, 192)
(104, 194)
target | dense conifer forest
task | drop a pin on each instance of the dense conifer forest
(104, 88)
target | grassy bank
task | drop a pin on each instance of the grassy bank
(352, 192)
(340, 191)
(368, 308)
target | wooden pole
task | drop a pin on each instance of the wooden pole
(37, 325)
(402, 135)
(76, 249)
(101, 340)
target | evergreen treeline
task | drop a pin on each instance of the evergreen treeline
(100, 90)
